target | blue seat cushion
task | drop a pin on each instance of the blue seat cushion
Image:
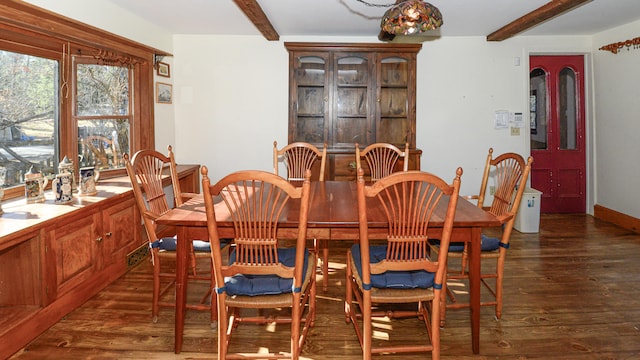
(167, 244)
(453, 246)
(487, 244)
(170, 244)
(253, 285)
(490, 243)
(417, 279)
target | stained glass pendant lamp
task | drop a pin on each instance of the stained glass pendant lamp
(411, 17)
(408, 17)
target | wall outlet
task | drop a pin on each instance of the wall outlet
(515, 131)
(492, 190)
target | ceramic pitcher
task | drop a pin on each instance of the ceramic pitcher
(34, 184)
(88, 178)
(62, 189)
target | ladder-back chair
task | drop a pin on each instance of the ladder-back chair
(260, 273)
(382, 158)
(298, 157)
(509, 173)
(399, 271)
(147, 170)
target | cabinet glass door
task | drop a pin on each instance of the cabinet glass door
(352, 98)
(392, 123)
(310, 99)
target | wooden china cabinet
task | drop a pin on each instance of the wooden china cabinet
(343, 94)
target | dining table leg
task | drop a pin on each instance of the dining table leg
(182, 259)
(325, 265)
(474, 287)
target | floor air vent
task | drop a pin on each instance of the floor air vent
(137, 255)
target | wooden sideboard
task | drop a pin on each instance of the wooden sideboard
(53, 258)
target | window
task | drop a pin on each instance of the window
(83, 93)
(28, 116)
(103, 114)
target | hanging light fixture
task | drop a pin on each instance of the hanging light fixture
(409, 17)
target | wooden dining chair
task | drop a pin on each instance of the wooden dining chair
(399, 270)
(298, 157)
(509, 173)
(260, 273)
(382, 158)
(147, 169)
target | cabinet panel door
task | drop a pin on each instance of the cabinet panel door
(74, 247)
(309, 102)
(120, 233)
(20, 275)
(352, 108)
(344, 167)
(395, 115)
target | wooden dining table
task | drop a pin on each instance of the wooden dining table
(333, 215)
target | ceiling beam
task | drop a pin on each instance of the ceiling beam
(254, 12)
(537, 16)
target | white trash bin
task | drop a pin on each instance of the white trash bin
(528, 218)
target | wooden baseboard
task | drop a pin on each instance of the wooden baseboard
(618, 218)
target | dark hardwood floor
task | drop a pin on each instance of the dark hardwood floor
(571, 292)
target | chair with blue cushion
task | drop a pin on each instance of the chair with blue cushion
(507, 175)
(260, 273)
(395, 277)
(149, 172)
(298, 157)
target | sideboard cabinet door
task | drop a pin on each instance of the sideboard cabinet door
(119, 235)
(73, 246)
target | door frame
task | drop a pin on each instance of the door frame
(590, 164)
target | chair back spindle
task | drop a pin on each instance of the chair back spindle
(382, 158)
(299, 157)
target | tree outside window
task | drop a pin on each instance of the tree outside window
(28, 116)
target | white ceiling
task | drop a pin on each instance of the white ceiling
(353, 18)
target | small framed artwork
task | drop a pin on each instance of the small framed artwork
(164, 93)
(163, 69)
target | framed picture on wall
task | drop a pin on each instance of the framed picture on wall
(163, 69)
(164, 93)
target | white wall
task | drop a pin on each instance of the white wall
(105, 15)
(164, 114)
(617, 98)
(232, 99)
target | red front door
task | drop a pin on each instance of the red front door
(556, 85)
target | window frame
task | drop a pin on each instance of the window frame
(83, 60)
(31, 30)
